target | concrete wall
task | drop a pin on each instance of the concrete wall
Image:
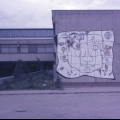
(90, 20)
(27, 56)
(26, 40)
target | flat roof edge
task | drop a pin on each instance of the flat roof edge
(86, 12)
(26, 28)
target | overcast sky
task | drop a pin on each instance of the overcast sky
(37, 13)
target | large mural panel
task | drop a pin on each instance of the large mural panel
(85, 53)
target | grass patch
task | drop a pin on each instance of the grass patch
(38, 82)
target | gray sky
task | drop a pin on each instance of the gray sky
(37, 13)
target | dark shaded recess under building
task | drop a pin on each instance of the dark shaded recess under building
(7, 68)
(27, 45)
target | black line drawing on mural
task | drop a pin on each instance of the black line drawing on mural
(108, 35)
(85, 53)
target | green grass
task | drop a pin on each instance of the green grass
(38, 82)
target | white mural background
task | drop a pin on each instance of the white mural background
(85, 53)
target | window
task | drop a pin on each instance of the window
(8, 48)
(4, 48)
(45, 48)
(23, 48)
(32, 49)
(13, 48)
(49, 48)
(40, 48)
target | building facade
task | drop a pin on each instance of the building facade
(27, 45)
(87, 45)
(83, 45)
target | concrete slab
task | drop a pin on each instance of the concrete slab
(84, 102)
(73, 90)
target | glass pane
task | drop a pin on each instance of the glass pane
(32, 46)
(4, 46)
(26, 46)
(40, 50)
(41, 46)
(4, 50)
(32, 50)
(49, 50)
(24, 50)
(49, 46)
(11, 46)
(13, 50)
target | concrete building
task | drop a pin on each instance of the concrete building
(99, 26)
(27, 45)
(66, 21)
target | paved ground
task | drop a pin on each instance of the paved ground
(83, 102)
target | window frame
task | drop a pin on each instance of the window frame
(49, 47)
(41, 47)
(27, 46)
(23, 47)
(1, 46)
(32, 47)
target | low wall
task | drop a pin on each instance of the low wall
(11, 78)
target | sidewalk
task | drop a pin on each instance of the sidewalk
(69, 103)
(73, 90)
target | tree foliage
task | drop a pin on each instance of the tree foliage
(20, 69)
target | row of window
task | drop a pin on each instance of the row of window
(40, 48)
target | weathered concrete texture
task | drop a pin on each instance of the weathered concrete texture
(84, 102)
(27, 56)
(87, 20)
(91, 20)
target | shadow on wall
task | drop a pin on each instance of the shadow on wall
(7, 68)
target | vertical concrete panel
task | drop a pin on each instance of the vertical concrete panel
(27, 57)
(117, 76)
(93, 20)
(116, 59)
